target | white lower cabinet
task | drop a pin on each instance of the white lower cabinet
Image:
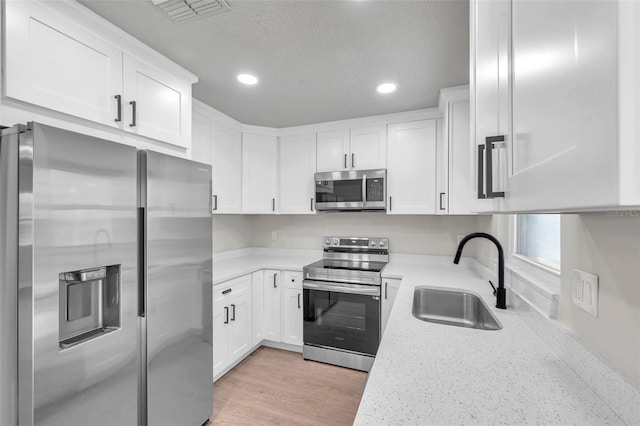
(389, 292)
(231, 322)
(292, 308)
(264, 305)
(257, 297)
(272, 304)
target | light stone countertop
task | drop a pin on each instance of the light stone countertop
(427, 373)
(227, 269)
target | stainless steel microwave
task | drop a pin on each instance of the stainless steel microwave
(353, 190)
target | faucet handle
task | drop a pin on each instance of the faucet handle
(494, 287)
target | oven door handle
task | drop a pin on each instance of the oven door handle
(370, 290)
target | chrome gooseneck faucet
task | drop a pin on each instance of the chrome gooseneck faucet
(501, 293)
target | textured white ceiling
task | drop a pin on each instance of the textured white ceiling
(316, 60)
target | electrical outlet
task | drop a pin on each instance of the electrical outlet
(585, 291)
(274, 235)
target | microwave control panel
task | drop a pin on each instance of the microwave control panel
(375, 189)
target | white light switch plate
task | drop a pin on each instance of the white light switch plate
(585, 291)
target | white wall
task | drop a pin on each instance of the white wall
(608, 246)
(430, 235)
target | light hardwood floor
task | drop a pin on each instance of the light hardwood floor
(275, 387)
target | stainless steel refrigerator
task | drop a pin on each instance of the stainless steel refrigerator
(105, 292)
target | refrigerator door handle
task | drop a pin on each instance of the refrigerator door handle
(142, 262)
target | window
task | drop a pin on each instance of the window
(537, 239)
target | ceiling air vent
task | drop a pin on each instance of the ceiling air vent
(181, 11)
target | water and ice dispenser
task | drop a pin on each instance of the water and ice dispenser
(89, 304)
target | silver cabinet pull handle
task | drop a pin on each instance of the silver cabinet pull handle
(346, 166)
(119, 109)
(311, 204)
(133, 114)
(298, 300)
(390, 204)
(353, 160)
(233, 312)
(226, 314)
(481, 194)
(227, 291)
(386, 289)
(273, 204)
(489, 141)
(274, 281)
(441, 195)
(215, 203)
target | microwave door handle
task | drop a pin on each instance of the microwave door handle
(364, 190)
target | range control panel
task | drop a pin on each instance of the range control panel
(356, 242)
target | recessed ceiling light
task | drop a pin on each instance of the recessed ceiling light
(386, 88)
(247, 79)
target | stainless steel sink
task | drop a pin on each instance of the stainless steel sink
(453, 307)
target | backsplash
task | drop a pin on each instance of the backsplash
(426, 235)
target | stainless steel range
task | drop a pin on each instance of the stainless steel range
(342, 302)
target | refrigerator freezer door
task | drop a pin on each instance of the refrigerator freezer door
(77, 208)
(178, 291)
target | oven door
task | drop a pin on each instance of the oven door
(343, 316)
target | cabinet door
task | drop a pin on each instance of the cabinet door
(57, 64)
(257, 303)
(201, 137)
(259, 173)
(390, 291)
(368, 148)
(239, 325)
(220, 332)
(162, 108)
(272, 305)
(333, 151)
(297, 166)
(412, 168)
(292, 316)
(490, 106)
(463, 196)
(442, 169)
(227, 170)
(565, 105)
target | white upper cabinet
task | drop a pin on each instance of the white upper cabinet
(157, 105)
(333, 151)
(259, 173)
(226, 166)
(572, 143)
(201, 137)
(368, 148)
(490, 107)
(412, 172)
(356, 149)
(61, 57)
(56, 63)
(462, 197)
(297, 167)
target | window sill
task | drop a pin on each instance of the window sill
(537, 285)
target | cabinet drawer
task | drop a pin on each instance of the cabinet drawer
(237, 286)
(293, 280)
